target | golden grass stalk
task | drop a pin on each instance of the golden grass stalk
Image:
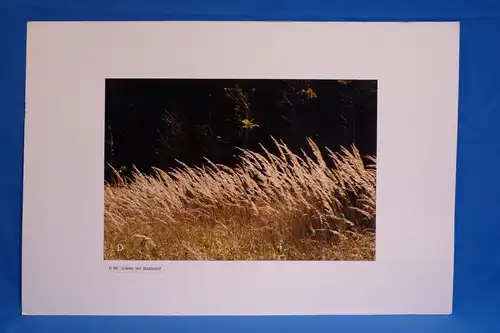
(268, 207)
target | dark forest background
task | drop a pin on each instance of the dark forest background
(154, 122)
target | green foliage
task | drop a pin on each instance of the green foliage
(240, 99)
(308, 93)
(248, 124)
(311, 94)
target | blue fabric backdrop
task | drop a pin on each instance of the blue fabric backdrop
(477, 259)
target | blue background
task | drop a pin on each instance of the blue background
(477, 256)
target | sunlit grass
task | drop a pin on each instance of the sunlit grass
(270, 207)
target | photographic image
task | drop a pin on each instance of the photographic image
(240, 169)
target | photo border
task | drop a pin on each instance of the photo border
(416, 66)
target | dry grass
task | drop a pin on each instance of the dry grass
(269, 207)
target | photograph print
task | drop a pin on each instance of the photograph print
(240, 169)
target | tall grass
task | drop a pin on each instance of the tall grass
(281, 206)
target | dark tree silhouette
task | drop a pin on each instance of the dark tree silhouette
(154, 122)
